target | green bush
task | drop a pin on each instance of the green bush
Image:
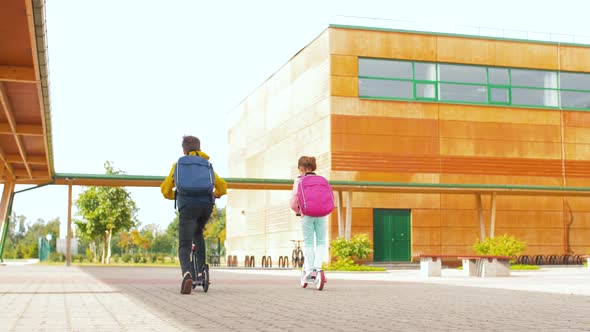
(500, 246)
(56, 257)
(126, 258)
(358, 247)
(78, 258)
(115, 258)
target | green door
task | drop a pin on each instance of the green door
(391, 235)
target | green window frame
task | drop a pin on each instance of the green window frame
(493, 92)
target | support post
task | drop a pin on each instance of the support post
(482, 230)
(339, 207)
(69, 232)
(348, 215)
(5, 209)
(493, 216)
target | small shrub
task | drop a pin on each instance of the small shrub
(136, 258)
(115, 258)
(359, 246)
(56, 257)
(500, 246)
(126, 258)
(78, 258)
(345, 251)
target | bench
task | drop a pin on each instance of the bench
(473, 265)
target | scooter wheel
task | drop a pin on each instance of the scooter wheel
(320, 280)
(206, 278)
(302, 280)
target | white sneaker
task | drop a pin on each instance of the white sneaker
(303, 277)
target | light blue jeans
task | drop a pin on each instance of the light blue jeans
(314, 252)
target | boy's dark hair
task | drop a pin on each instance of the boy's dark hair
(308, 163)
(190, 143)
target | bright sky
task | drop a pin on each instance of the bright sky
(130, 78)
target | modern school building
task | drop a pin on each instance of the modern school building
(452, 114)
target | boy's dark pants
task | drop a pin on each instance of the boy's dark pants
(192, 221)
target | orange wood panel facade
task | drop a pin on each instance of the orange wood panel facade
(311, 106)
(374, 140)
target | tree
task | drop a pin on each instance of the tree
(106, 210)
(164, 243)
(216, 226)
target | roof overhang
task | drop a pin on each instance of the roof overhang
(26, 155)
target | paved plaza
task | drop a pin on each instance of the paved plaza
(58, 298)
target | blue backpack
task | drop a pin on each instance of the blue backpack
(194, 176)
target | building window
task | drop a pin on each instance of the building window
(386, 88)
(385, 68)
(464, 74)
(407, 80)
(575, 90)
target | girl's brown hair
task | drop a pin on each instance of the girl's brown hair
(308, 163)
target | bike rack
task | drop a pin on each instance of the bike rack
(283, 262)
(266, 261)
(232, 261)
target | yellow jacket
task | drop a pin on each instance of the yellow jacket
(167, 187)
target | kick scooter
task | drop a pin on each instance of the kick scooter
(317, 278)
(205, 278)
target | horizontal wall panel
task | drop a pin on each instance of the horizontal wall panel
(500, 166)
(503, 179)
(556, 249)
(385, 162)
(384, 176)
(499, 114)
(578, 168)
(459, 236)
(411, 145)
(580, 135)
(577, 151)
(344, 65)
(395, 201)
(513, 203)
(574, 58)
(490, 148)
(500, 131)
(381, 44)
(527, 55)
(426, 236)
(344, 86)
(379, 125)
(539, 237)
(424, 249)
(580, 237)
(576, 119)
(382, 161)
(465, 50)
(579, 220)
(426, 218)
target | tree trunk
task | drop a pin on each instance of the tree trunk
(109, 237)
(93, 249)
(104, 242)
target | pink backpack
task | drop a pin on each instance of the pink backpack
(315, 196)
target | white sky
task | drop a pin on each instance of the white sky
(129, 78)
